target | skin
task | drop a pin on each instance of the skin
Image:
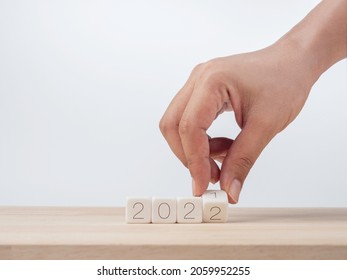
(266, 89)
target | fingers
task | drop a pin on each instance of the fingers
(199, 114)
(215, 171)
(196, 149)
(219, 147)
(184, 126)
(241, 156)
(172, 117)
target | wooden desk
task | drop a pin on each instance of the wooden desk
(101, 233)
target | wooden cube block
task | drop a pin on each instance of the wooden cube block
(215, 206)
(189, 210)
(138, 210)
(164, 210)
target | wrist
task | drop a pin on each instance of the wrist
(296, 61)
(320, 39)
(303, 56)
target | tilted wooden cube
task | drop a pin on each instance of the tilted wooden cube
(215, 206)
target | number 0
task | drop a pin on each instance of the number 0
(169, 210)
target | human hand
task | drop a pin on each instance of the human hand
(265, 89)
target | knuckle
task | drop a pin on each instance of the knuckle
(244, 164)
(212, 64)
(212, 81)
(165, 125)
(195, 161)
(185, 126)
(212, 76)
(198, 68)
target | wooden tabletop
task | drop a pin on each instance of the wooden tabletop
(101, 233)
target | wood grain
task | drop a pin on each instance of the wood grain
(101, 233)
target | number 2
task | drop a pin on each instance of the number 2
(213, 217)
(135, 215)
(186, 215)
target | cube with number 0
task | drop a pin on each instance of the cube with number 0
(189, 210)
(164, 210)
(215, 206)
(138, 210)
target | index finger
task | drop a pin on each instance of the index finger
(200, 112)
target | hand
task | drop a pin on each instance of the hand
(266, 90)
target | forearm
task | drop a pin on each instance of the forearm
(321, 37)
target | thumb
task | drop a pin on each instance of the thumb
(240, 158)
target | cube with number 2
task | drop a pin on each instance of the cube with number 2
(138, 210)
(189, 210)
(215, 206)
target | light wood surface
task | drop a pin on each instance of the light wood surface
(101, 233)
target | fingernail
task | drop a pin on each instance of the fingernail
(235, 189)
(195, 191)
(213, 181)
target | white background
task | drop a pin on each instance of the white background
(83, 85)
